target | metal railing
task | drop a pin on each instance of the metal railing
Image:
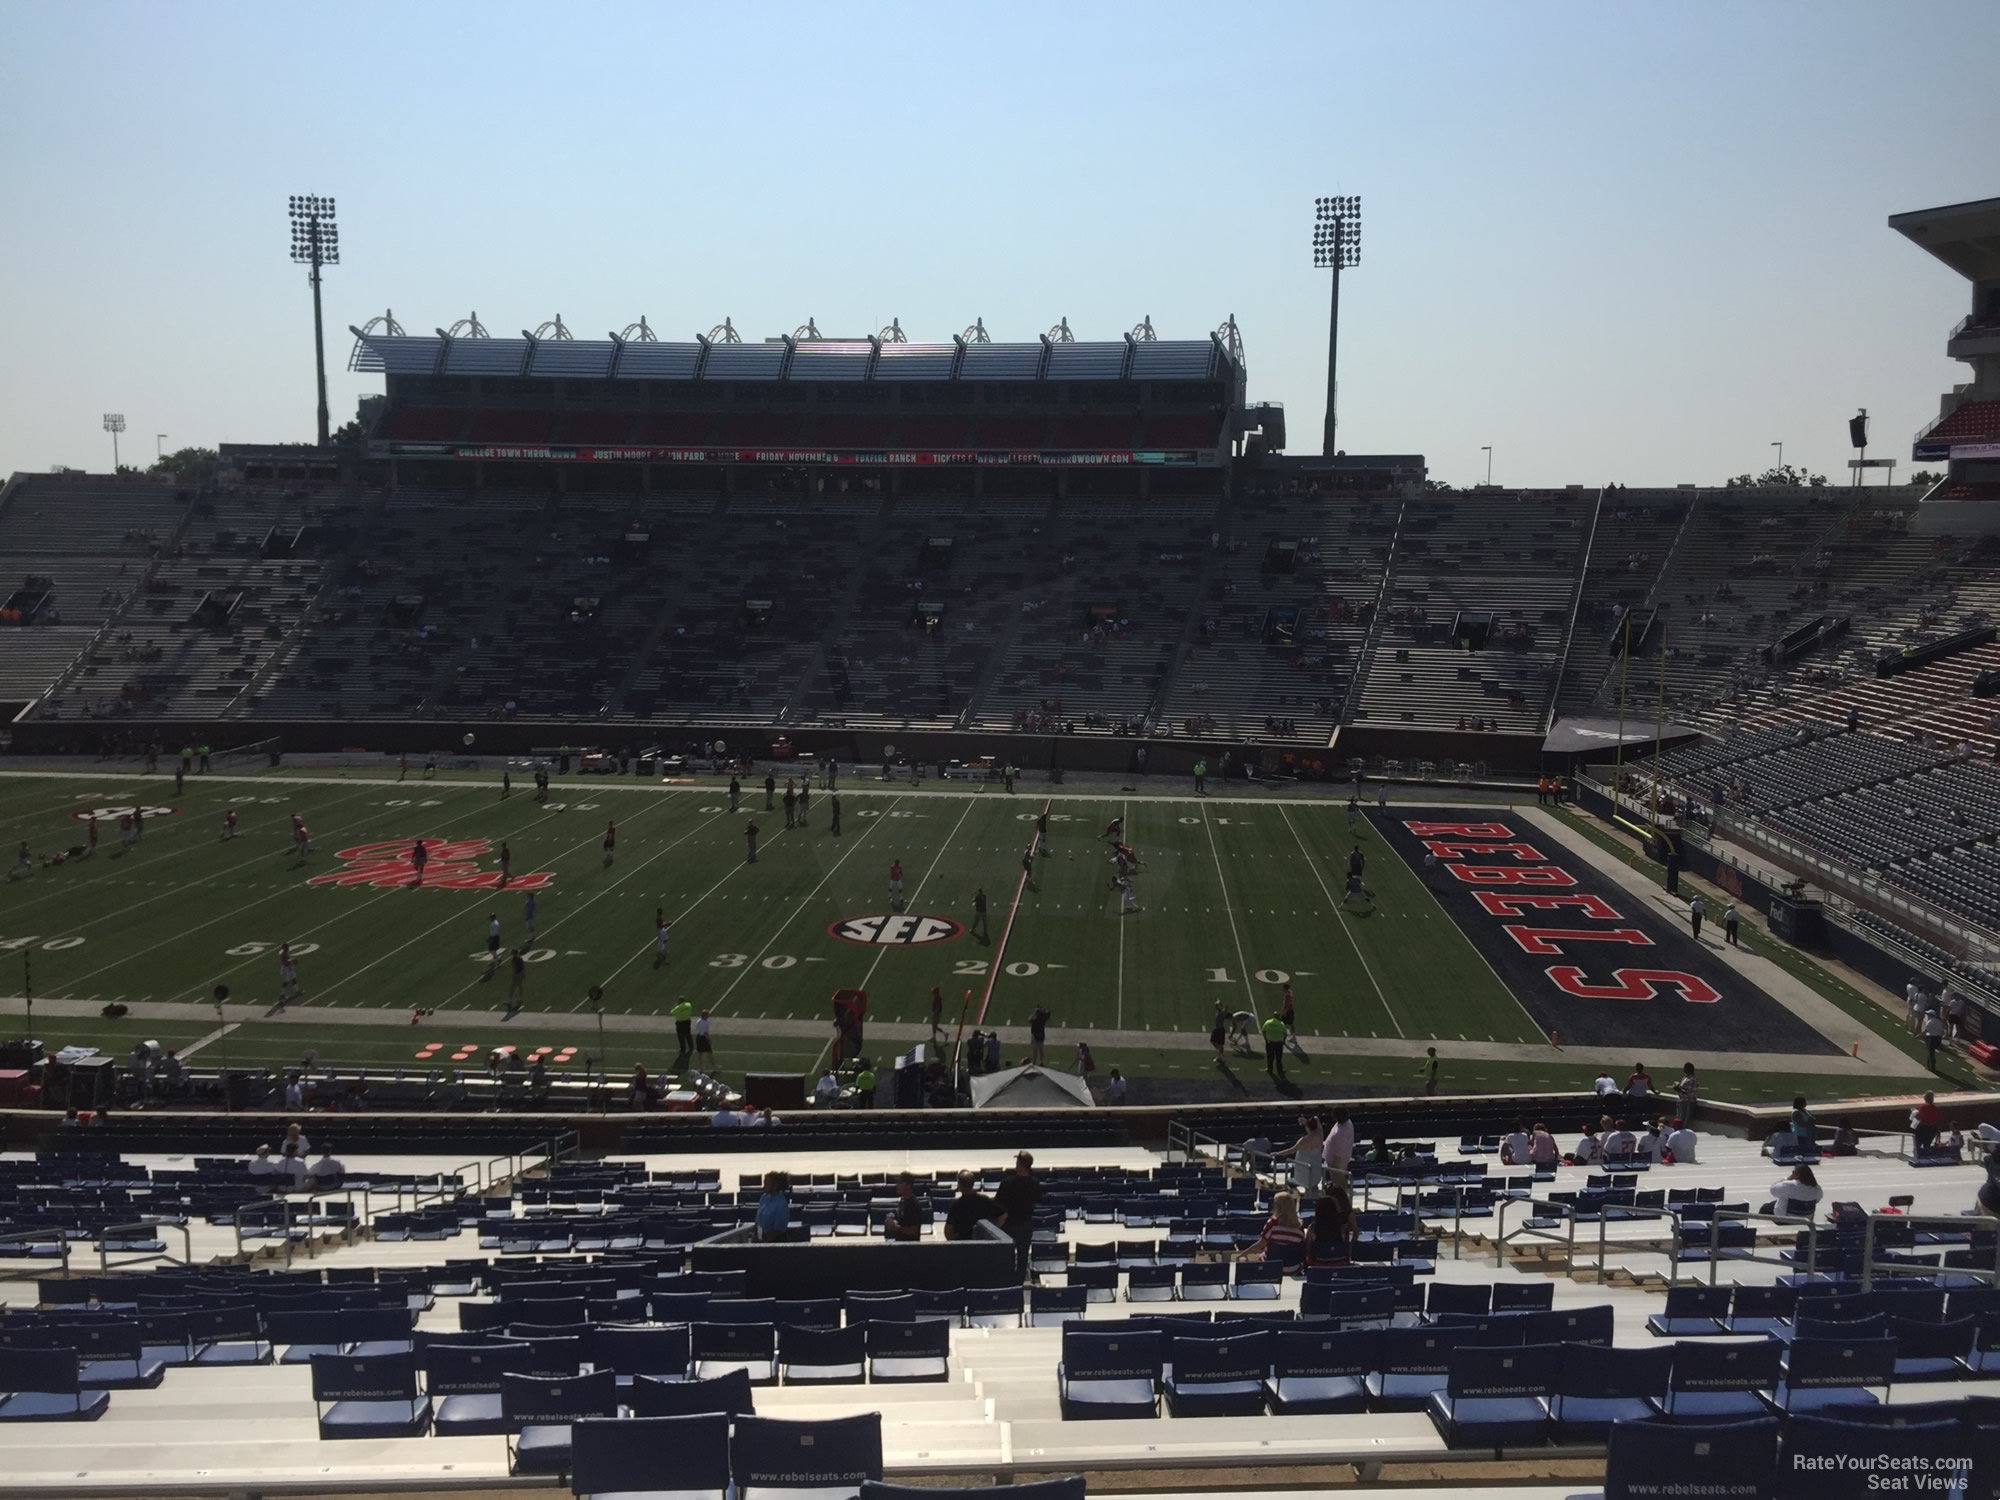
(42, 1236)
(1709, 1237)
(142, 1257)
(1955, 1227)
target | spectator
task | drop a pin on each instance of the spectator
(1686, 1089)
(292, 1169)
(774, 1208)
(1933, 1035)
(1681, 1143)
(1606, 1084)
(639, 1092)
(329, 1171)
(907, 1219)
(1339, 1149)
(1653, 1144)
(827, 1092)
(262, 1165)
(726, 1116)
(1330, 1236)
(1796, 1195)
(1847, 1140)
(1588, 1148)
(1542, 1147)
(1282, 1235)
(1988, 1202)
(296, 1142)
(1639, 1084)
(1114, 1087)
(1514, 1150)
(968, 1210)
(1308, 1154)
(1621, 1142)
(1925, 1122)
(1018, 1194)
(1804, 1128)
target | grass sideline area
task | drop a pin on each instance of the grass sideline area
(1238, 895)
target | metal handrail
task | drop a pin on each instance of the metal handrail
(1749, 1254)
(37, 1236)
(1956, 1222)
(1502, 1238)
(140, 1258)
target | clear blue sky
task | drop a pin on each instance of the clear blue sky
(1615, 241)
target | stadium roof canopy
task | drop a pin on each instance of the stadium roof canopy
(790, 359)
(1965, 236)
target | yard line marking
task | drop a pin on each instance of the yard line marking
(1124, 812)
(1215, 862)
(778, 932)
(214, 1036)
(459, 916)
(681, 915)
(1000, 953)
(1312, 865)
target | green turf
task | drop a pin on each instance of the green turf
(1237, 897)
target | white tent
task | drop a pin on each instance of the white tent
(1030, 1088)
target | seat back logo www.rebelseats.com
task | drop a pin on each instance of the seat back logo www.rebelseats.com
(896, 929)
(448, 865)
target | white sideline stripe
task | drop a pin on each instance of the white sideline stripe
(1215, 864)
(214, 1036)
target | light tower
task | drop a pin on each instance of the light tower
(114, 423)
(1336, 246)
(316, 243)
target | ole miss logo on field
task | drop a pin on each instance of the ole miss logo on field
(895, 929)
(450, 865)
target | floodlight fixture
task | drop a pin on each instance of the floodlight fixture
(316, 243)
(114, 423)
(1336, 246)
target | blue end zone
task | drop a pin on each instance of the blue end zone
(1604, 966)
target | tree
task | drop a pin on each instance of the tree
(188, 466)
(129, 469)
(350, 442)
(1784, 477)
(1924, 479)
(1439, 486)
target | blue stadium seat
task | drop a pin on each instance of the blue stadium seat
(540, 1408)
(1000, 1306)
(1524, 1296)
(1496, 1398)
(650, 1458)
(1109, 1373)
(634, 1351)
(1728, 1458)
(306, 1334)
(378, 1330)
(1716, 1382)
(1601, 1384)
(464, 1384)
(231, 1335)
(900, 1353)
(1257, 1280)
(1052, 1305)
(369, 1396)
(808, 1312)
(1204, 1281)
(114, 1356)
(1316, 1372)
(1458, 1298)
(1762, 1309)
(1414, 1364)
(822, 1356)
(752, 1347)
(46, 1385)
(827, 1460)
(1151, 1282)
(880, 1307)
(1099, 1281)
(1833, 1372)
(1933, 1351)
(945, 1306)
(730, 1394)
(1691, 1312)
(1568, 1325)
(1219, 1377)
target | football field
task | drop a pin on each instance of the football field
(1237, 896)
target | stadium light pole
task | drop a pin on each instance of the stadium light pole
(1487, 449)
(1336, 246)
(159, 446)
(114, 423)
(316, 243)
(1781, 453)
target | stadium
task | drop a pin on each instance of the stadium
(537, 926)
